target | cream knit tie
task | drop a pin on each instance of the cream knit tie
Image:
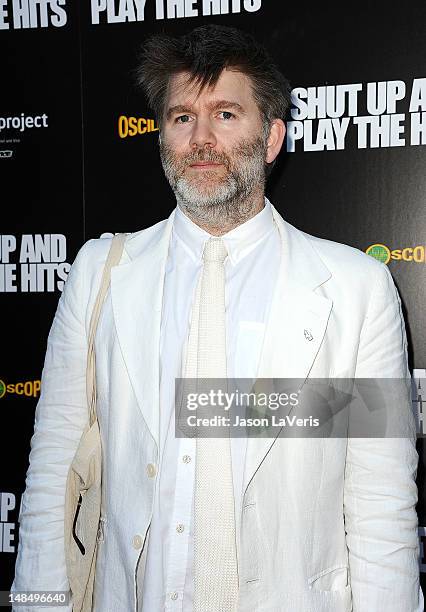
(215, 558)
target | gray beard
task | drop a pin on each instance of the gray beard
(230, 201)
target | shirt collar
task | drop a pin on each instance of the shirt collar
(239, 242)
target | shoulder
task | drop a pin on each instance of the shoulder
(94, 252)
(339, 257)
(90, 259)
(351, 274)
(345, 264)
(348, 264)
(83, 280)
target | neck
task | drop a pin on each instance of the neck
(218, 220)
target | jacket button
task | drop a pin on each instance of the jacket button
(137, 542)
(150, 470)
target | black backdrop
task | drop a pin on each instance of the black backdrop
(68, 171)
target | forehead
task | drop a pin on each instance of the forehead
(231, 85)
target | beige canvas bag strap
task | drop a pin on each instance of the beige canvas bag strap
(113, 258)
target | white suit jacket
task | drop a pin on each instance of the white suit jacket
(327, 525)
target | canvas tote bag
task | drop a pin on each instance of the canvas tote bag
(83, 488)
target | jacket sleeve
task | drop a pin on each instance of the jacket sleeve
(61, 415)
(380, 492)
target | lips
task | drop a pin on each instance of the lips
(204, 164)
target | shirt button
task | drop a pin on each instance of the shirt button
(186, 458)
(150, 470)
(174, 596)
(137, 542)
(180, 527)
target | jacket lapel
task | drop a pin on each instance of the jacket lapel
(296, 324)
(137, 293)
(294, 332)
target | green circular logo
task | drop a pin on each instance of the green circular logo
(2, 388)
(379, 252)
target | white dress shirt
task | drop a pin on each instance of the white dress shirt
(250, 273)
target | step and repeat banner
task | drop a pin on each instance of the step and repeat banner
(79, 158)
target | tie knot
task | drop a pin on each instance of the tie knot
(215, 250)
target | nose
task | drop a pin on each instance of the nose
(202, 134)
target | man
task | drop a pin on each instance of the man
(309, 525)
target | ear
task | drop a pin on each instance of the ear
(275, 139)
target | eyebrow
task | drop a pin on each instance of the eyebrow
(212, 106)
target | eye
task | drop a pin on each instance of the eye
(227, 115)
(183, 119)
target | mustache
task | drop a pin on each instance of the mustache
(244, 150)
(199, 155)
(205, 156)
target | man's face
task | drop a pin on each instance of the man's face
(213, 143)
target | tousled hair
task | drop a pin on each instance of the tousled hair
(204, 53)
